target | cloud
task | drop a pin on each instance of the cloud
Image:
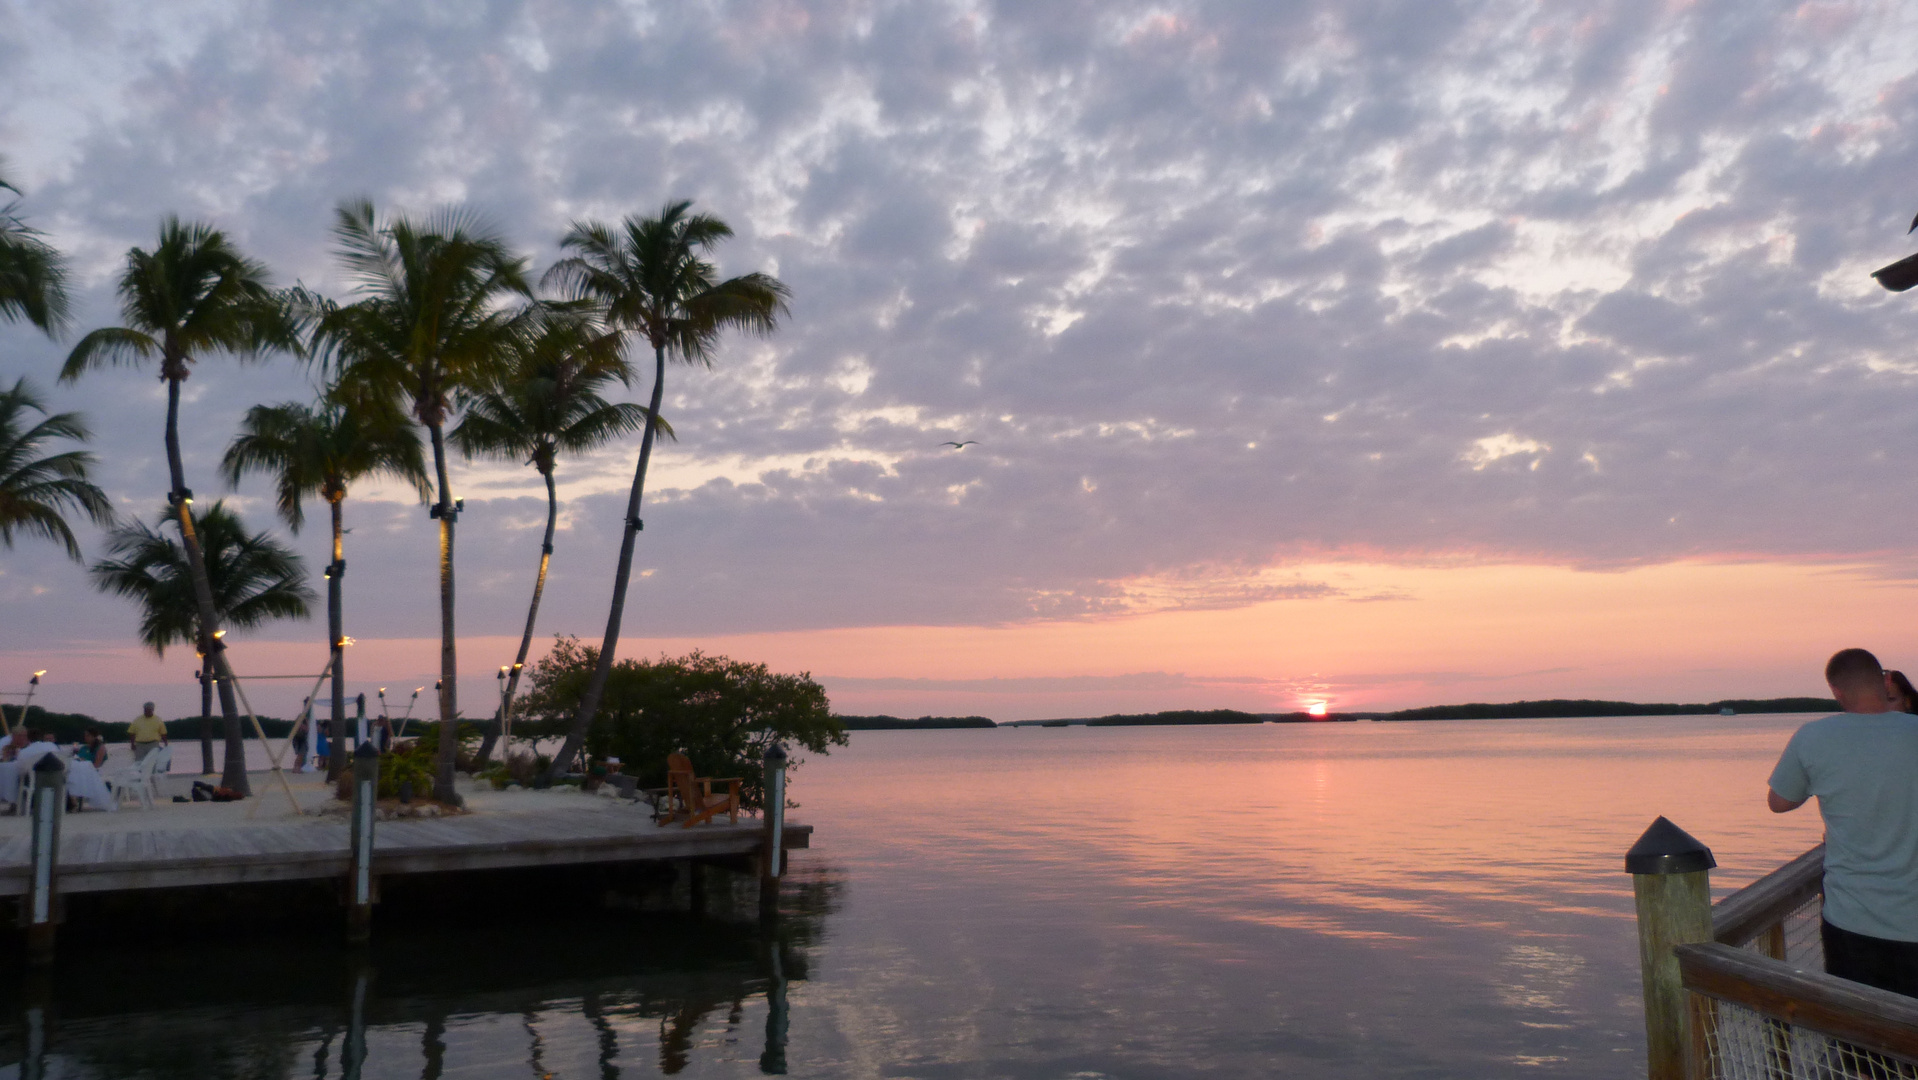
(1213, 287)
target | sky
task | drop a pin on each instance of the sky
(1377, 354)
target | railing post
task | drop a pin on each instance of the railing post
(41, 912)
(772, 861)
(366, 787)
(1671, 881)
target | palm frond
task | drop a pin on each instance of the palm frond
(255, 578)
(37, 490)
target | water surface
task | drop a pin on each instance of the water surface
(1439, 899)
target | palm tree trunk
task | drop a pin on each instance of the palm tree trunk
(206, 720)
(211, 646)
(596, 686)
(443, 789)
(532, 614)
(336, 759)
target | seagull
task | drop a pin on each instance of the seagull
(961, 445)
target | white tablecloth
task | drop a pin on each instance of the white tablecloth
(83, 782)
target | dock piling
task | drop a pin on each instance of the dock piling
(1671, 882)
(772, 861)
(366, 784)
(40, 912)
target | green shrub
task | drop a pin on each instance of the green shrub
(723, 713)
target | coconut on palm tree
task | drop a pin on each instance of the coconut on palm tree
(651, 279)
(193, 294)
(548, 402)
(36, 491)
(33, 275)
(434, 317)
(254, 579)
(318, 452)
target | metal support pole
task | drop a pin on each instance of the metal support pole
(1671, 880)
(366, 786)
(40, 911)
(773, 859)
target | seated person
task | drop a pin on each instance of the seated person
(16, 742)
(39, 745)
(92, 748)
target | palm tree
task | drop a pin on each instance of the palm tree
(548, 402)
(193, 293)
(318, 452)
(36, 492)
(431, 321)
(33, 276)
(254, 578)
(652, 279)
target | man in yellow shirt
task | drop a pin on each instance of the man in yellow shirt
(147, 731)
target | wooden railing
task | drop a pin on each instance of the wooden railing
(1757, 914)
(1759, 1005)
(1865, 1017)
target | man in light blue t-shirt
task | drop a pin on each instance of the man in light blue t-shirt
(1863, 766)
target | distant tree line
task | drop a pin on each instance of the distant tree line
(923, 723)
(1574, 707)
(66, 727)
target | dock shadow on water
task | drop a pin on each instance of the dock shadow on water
(636, 972)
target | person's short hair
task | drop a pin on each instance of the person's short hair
(148, 707)
(1854, 667)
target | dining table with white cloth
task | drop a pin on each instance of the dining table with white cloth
(83, 782)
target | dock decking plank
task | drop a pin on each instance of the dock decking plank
(172, 853)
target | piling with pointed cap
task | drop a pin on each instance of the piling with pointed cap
(1671, 881)
(366, 784)
(772, 859)
(40, 910)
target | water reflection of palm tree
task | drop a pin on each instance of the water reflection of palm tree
(291, 1009)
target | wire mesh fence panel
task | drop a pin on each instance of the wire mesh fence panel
(1742, 1044)
(1804, 949)
(1797, 932)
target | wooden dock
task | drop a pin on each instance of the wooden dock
(170, 853)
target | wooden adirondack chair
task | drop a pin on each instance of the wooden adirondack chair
(692, 796)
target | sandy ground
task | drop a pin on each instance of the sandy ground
(269, 806)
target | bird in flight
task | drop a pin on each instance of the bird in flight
(961, 445)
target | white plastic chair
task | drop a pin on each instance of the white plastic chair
(136, 780)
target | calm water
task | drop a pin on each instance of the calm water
(1344, 900)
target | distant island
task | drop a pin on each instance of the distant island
(1577, 707)
(1555, 708)
(66, 727)
(923, 723)
(1181, 716)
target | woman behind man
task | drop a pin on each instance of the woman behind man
(1904, 697)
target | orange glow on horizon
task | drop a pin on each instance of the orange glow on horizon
(1383, 636)
(1317, 708)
